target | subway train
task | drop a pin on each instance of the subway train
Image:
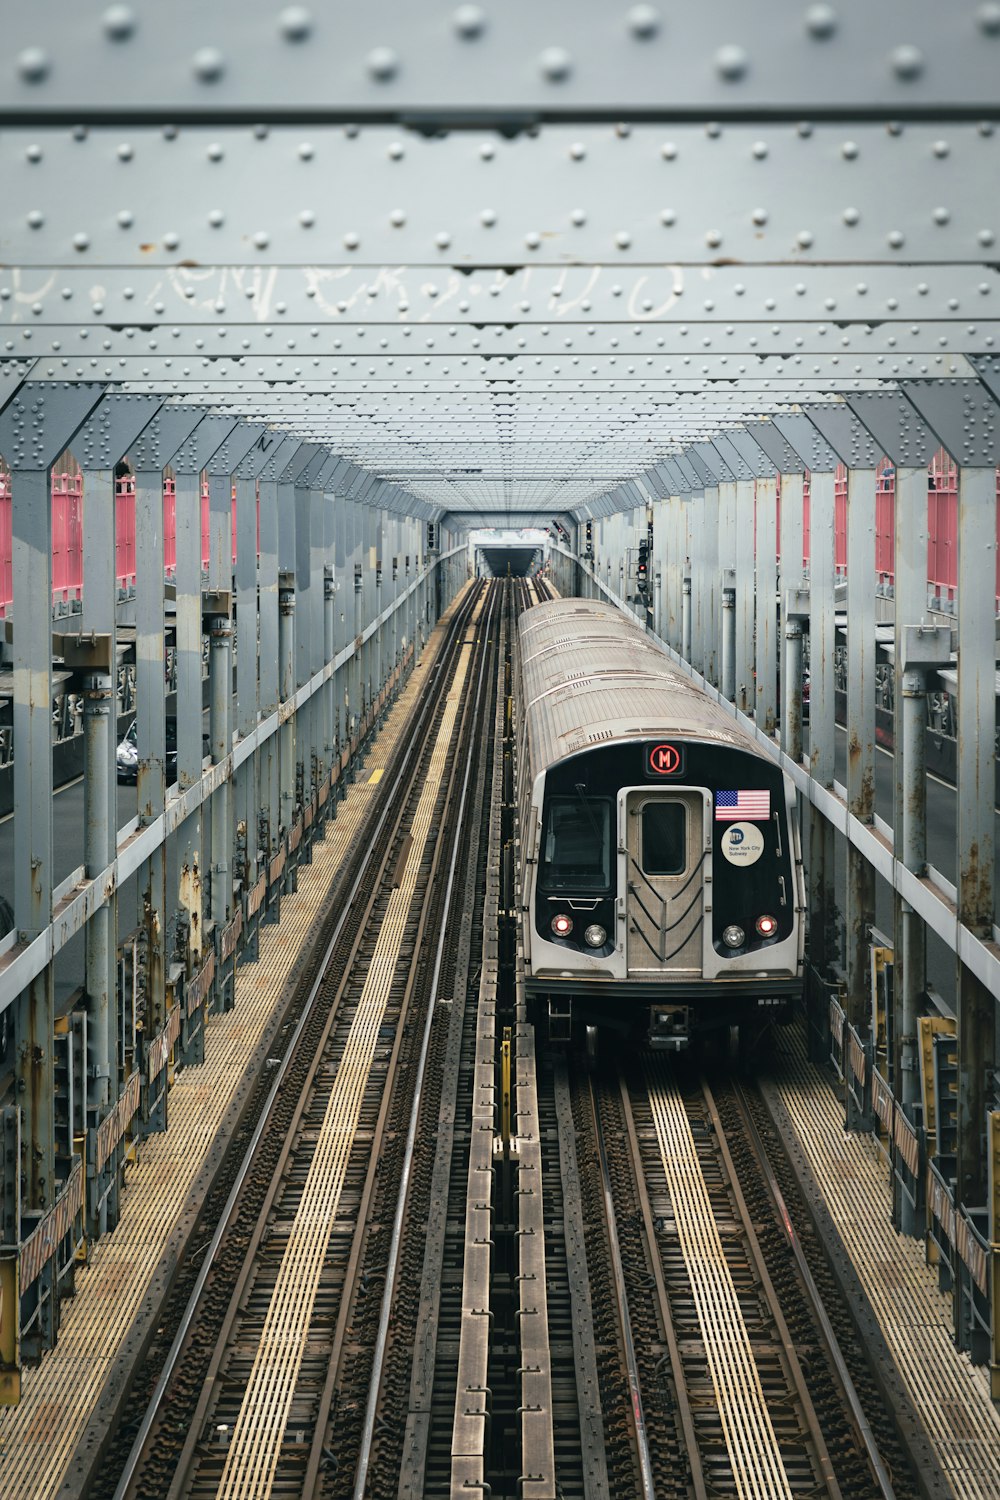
(660, 878)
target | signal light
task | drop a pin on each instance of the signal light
(767, 926)
(562, 925)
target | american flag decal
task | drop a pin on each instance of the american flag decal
(753, 805)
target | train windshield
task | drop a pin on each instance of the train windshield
(576, 844)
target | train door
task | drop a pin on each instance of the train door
(665, 852)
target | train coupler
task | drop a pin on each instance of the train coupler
(669, 1028)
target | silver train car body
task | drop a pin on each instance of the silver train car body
(660, 877)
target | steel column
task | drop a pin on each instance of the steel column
(824, 925)
(767, 608)
(909, 977)
(98, 617)
(745, 696)
(31, 522)
(728, 548)
(189, 638)
(975, 799)
(860, 903)
(151, 733)
(246, 776)
(268, 787)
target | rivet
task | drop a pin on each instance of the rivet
(668, 217)
(208, 64)
(849, 150)
(851, 216)
(214, 152)
(33, 153)
(985, 127)
(395, 151)
(713, 239)
(988, 18)
(941, 216)
(171, 240)
(169, 133)
(33, 64)
(804, 129)
(307, 218)
(216, 218)
(351, 240)
(731, 62)
(126, 218)
(821, 21)
(895, 239)
(941, 148)
(296, 23)
(442, 239)
(804, 238)
(469, 21)
(119, 22)
(861, 288)
(35, 220)
(488, 217)
(383, 64)
(579, 218)
(759, 216)
(907, 61)
(713, 130)
(81, 241)
(759, 149)
(261, 132)
(644, 21)
(668, 151)
(555, 64)
(533, 239)
(985, 236)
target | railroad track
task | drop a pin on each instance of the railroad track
(720, 1371)
(280, 1280)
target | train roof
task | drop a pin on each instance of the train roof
(590, 675)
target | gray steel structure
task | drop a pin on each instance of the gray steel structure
(547, 287)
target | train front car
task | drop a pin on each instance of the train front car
(661, 882)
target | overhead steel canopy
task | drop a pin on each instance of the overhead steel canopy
(441, 244)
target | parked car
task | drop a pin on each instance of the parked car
(127, 754)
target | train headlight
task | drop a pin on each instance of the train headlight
(767, 926)
(562, 925)
(595, 936)
(733, 936)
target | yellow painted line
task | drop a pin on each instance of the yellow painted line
(746, 1423)
(376, 776)
(253, 1455)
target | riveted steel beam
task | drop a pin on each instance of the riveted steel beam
(786, 193)
(446, 66)
(253, 347)
(425, 295)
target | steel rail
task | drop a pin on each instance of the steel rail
(631, 1361)
(685, 1415)
(137, 1450)
(879, 1473)
(458, 852)
(802, 1395)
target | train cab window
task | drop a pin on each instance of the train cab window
(664, 838)
(576, 845)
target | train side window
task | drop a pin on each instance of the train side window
(664, 838)
(576, 845)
